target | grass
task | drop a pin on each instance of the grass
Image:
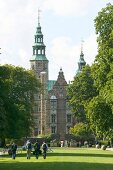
(61, 159)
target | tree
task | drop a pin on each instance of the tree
(101, 117)
(82, 131)
(80, 92)
(100, 110)
(17, 87)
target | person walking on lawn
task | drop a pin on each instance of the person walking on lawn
(44, 149)
(29, 149)
(13, 150)
(37, 149)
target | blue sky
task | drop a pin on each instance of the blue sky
(64, 24)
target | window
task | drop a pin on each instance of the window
(39, 51)
(53, 118)
(45, 65)
(68, 118)
(68, 128)
(42, 51)
(33, 67)
(38, 64)
(35, 121)
(35, 108)
(38, 39)
(53, 104)
(36, 97)
(39, 109)
(53, 129)
(67, 105)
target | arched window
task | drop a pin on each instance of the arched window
(53, 102)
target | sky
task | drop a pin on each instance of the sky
(65, 24)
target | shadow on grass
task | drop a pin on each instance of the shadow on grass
(81, 154)
(66, 154)
(55, 166)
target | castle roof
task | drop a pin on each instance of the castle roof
(51, 84)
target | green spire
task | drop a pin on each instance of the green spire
(81, 62)
(38, 47)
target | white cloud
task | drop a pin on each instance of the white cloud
(16, 30)
(5, 61)
(68, 7)
(63, 53)
(23, 58)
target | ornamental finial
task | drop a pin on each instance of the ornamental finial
(39, 16)
(82, 41)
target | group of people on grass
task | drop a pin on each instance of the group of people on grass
(37, 149)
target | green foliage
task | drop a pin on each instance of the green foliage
(82, 130)
(104, 26)
(100, 108)
(104, 59)
(101, 117)
(49, 137)
(80, 92)
(17, 87)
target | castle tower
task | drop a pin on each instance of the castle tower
(51, 112)
(39, 64)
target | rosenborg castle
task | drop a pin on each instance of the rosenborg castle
(51, 112)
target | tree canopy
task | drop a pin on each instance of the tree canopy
(17, 89)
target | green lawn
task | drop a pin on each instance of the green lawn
(61, 159)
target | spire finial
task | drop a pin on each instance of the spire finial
(82, 41)
(39, 16)
(60, 69)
